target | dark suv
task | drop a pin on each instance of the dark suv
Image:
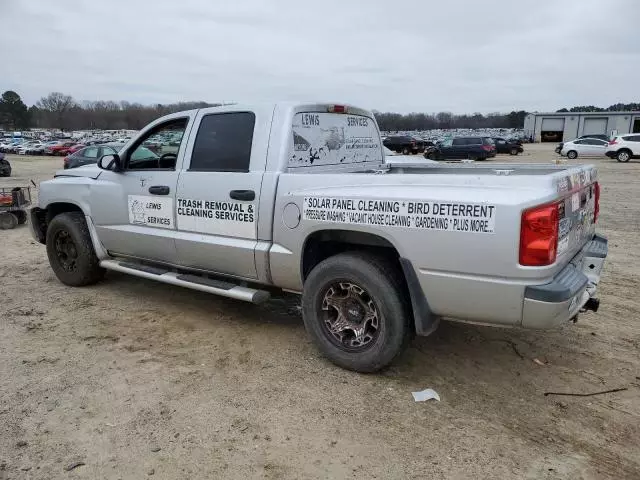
(472, 148)
(505, 145)
(404, 144)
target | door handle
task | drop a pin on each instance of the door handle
(159, 190)
(246, 195)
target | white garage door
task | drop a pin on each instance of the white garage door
(593, 126)
(553, 124)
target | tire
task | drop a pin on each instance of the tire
(369, 285)
(8, 221)
(22, 216)
(70, 251)
(431, 156)
(623, 156)
(513, 151)
(473, 157)
(572, 154)
(406, 151)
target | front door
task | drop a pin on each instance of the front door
(133, 210)
(219, 191)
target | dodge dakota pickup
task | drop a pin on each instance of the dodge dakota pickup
(245, 201)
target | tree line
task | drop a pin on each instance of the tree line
(60, 111)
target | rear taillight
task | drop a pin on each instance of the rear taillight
(66, 160)
(613, 142)
(487, 148)
(539, 235)
(337, 109)
(596, 213)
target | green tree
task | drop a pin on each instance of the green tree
(14, 114)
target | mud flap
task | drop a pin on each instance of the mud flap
(426, 322)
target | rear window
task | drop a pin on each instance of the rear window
(333, 139)
(474, 141)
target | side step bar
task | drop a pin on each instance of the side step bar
(194, 282)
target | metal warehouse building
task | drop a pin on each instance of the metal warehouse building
(564, 126)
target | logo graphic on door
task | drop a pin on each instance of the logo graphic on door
(137, 211)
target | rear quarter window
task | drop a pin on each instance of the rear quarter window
(320, 139)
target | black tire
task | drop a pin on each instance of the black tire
(384, 294)
(572, 154)
(473, 157)
(431, 156)
(623, 156)
(22, 216)
(406, 151)
(8, 221)
(513, 151)
(70, 251)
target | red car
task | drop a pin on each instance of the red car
(75, 148)
(60, 148)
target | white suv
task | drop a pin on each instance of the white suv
(624, 147)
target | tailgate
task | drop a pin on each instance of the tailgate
(577, 212)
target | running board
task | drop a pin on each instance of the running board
(194, 282)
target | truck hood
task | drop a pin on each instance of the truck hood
(86, 171)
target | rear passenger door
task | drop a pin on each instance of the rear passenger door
(219, 190)
(458, 148)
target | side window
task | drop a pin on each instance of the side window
(223, 143)
(158, 149)
(634, 138)
(579, 142)
(458, 142)
(91, 152)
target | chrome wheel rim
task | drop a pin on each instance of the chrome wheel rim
(351, 319)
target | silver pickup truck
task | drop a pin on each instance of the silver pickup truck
(245, 200)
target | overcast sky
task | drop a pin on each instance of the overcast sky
(401, 55)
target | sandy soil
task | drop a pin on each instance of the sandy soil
(132, 378)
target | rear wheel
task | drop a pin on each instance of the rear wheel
(513, 151)
(8, 221)
(70, 251)
(623, 156)
(406, 151)
(572, 154)
(473, 157)
(355, 309)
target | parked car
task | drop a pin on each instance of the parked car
(404, 144)
(503, 145)
(587, 147)
(5, 166)
(624, 147)
(74, 148)
(60, 148)
(472, 148)
(32, 148)
(91, 155)
(558, 148)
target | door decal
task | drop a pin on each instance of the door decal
(150, 211)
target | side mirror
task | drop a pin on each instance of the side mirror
(110, 162)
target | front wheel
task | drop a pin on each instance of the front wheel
(355, 309)
(70, 251)
(572, 154)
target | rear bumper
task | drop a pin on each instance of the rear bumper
(552, 304)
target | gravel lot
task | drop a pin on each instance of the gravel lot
(131, 378)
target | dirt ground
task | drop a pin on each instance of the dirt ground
(131, 378)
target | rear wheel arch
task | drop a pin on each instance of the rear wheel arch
(323, 244)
